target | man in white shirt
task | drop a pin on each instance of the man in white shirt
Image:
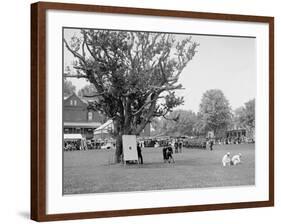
(226, 159)
(236, 159)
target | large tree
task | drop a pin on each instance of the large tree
(215, 112)
(135, 74)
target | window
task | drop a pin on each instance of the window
(75, 102)
(71, 102)
(90, 116)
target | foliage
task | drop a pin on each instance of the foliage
(177, 123)
(244, 117)
(215, 112)
(88, 90)
(68, 88)
(246, 114)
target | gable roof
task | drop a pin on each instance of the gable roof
(82, 99)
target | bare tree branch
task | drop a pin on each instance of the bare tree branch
(95, 95)
(75, 54)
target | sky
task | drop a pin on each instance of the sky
(225, 63)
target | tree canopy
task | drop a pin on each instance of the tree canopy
(131, 71)
(245, 115)
(135, 73)
(215, 112)
(177, 123)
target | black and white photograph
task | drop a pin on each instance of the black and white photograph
(156, 111)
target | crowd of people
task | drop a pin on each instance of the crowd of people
(72, 145)
(234, 140)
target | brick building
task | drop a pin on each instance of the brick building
(79, 118)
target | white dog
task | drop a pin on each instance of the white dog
(226, 159)
(236, 159)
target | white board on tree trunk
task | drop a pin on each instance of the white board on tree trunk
(129, 147)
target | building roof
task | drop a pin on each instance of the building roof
(106, 125)
(84, 124)
(85, 100)
(105, 128)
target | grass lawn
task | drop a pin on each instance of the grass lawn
(93, 172)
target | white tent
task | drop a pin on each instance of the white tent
(104, 131)
(105, 127)
(75, 137)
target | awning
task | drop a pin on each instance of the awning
(72, 136)
(82, 124)
(104, 128)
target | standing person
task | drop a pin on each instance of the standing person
(176, 146)
(180, 146)
(139, 153)
(211, 144)
(165, 154)
(78, 145)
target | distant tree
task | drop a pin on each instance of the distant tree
(68, 88)
(135, 73)
(215, 112)
(245, 116)
(87, 90)
(199, 127)
(237, 113)
(177, 123)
